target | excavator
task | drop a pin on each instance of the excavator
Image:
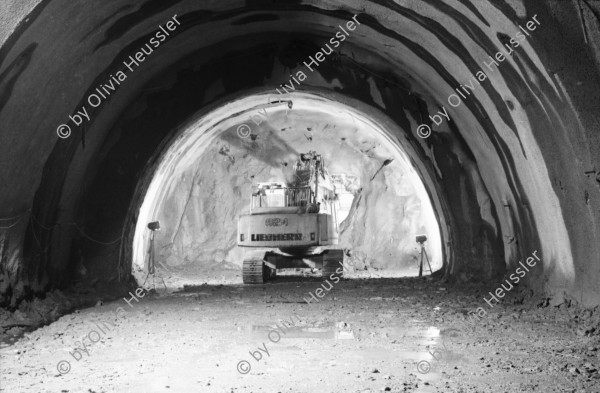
(292, 224)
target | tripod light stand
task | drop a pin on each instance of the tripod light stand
(153, 226)
(421, 239)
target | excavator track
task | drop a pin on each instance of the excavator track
(332, 260)
(254, 271)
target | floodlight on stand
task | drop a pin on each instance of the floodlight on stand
(153, 227)
(421, 239)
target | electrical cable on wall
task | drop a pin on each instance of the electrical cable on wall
(12, 225)
(375, 74)
(33, 219)
(17, 217)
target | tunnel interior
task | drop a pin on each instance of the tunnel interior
(205, 180)
(495, 177)
(474, 122)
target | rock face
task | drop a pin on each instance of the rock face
(388, 217)
(198, 213)
(511, 167)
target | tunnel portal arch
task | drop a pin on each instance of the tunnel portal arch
(195, 136)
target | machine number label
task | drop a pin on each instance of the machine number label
(260, 237)
(276, 222)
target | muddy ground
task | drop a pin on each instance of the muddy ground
(364, 335)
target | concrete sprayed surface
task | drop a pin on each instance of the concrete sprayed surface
(362, 336)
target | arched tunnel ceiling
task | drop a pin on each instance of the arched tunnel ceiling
(515, 166)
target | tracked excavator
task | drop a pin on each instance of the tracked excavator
(292, 225)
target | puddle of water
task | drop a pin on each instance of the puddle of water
(344, 335)
(294, 332)
(412, 337)
(328, 332)
(419, 334)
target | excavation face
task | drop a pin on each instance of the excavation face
(205, 180)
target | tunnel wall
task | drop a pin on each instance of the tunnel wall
(515, 170)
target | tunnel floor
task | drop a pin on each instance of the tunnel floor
(363, 335)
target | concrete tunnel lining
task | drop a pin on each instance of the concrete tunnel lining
(194, 137)
(513, 171)
(459, 34)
